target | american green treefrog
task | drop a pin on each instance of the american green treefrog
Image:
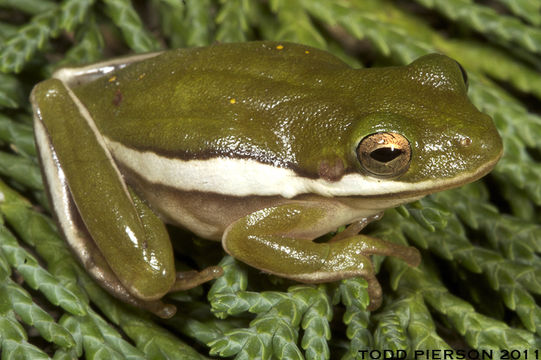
(264, 146)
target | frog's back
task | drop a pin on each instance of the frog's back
(236, 100)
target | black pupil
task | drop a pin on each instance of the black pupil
(385, 154)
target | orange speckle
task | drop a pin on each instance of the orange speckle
(465, 141)
(232, 101)
(112, 78)
(279, 47)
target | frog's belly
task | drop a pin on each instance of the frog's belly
(209, 214)
(205, 214)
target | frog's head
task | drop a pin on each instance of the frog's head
(422, 133)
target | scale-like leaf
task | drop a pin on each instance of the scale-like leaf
(126, 18)
(480, 243)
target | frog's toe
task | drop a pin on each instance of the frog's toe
(376, 246)
(374, 292)
(189, 279)
(158, 308)
(410, 255)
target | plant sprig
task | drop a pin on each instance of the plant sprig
(483, 239)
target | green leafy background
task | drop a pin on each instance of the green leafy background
(477, 288)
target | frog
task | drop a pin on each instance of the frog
(264, 146)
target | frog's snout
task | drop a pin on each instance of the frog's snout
(487, 146)
(492, 144)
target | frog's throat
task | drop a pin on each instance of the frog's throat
(246, 177)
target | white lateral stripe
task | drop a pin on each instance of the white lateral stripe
(244, 177)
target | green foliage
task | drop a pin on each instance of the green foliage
(126, 18)
(354, 296)
(279, 318)
(480, 281)
(526, 9)
(506, 30)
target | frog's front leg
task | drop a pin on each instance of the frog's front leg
(119, 240)
(277, 240)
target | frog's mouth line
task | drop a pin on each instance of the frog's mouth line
(431, 186)
(247, 177)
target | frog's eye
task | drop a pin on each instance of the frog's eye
(384, 154)
(464, 74)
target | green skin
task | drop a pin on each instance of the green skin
(284, 105)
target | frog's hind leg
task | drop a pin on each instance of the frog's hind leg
(275, 240)
(75, 232)
(118, 239)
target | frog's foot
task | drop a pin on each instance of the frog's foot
(276, 240)
(189, 279)
(356, 227)
(184, 280)
(99, 269)
(350, 258)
